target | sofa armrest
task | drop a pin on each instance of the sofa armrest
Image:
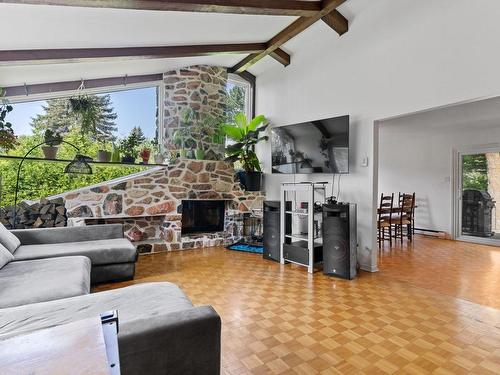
(68, 234)
(182, 342)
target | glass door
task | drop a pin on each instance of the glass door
(477, 196)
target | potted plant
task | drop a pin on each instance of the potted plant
(246, 135)
(179, 138)
(103, 155)
(128, 150)
(115, 155)
(207, 129)
(145, 154)
(158, 158)
(8, 140)
(183, 133)
(52, 141)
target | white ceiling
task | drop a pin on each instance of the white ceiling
(43, 27)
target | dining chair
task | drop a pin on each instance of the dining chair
(384, 220)
(405, 216)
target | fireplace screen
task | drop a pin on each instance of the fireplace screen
(202, 216)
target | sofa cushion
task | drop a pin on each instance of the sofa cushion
(136, 302)
(118, 250)
(8, 240)
(5, 256)
(43, 280)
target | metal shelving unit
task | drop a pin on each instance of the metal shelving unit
(305, 249)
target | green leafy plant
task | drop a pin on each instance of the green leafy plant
(129, 146)
(245, 135)
(183, 133)
(475, 172)
(8, 140)
(52, 138)
(95, 115)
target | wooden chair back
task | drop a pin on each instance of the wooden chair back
(406, 206)
(385, 207)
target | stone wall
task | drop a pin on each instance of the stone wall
(158, 194)
(201, 88)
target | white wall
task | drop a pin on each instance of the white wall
(400, 56)
(416, 155)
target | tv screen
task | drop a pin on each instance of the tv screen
(320, 146)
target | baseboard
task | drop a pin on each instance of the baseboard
(368, 268)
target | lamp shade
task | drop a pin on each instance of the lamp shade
(79, 165)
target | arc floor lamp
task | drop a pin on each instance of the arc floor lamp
(78, 165)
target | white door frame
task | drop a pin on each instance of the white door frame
(456, 193)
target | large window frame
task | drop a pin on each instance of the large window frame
(249, 88)
(102, 90)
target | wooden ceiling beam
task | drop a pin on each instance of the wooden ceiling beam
(286, 34)
(43, 56)
(281, 56)
(257, 7)
(336, 21)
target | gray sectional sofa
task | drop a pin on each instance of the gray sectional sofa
(45, 281)
(112, 256)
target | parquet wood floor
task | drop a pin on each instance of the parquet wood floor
(281, 320)
(458, 269)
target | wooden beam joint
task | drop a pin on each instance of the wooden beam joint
(336, 21)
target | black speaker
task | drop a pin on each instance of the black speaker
(272, 230)
(339, 240)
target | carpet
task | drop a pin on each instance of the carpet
(247, 248)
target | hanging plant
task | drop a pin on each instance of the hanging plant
(8, 139)
(88, 111)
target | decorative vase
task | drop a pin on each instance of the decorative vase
(103, 156)
(183, 153)
(50, 152)
(199, 154)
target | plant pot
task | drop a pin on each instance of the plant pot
(158, 159)
(145, 160)
(103, 156)
(199, 154)
(127, 159)
(50, 152)
(183, 153)
(251, 181)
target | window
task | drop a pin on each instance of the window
(121, 113)
(239, 96)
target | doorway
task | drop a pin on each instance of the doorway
(477, 194)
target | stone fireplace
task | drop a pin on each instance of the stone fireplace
(150, 204)
(202, 216)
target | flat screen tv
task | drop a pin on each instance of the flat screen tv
(320, 146)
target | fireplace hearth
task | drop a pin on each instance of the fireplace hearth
(203, 216)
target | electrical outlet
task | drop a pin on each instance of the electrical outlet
(364, 161)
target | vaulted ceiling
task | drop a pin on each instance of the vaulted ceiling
(60, 40)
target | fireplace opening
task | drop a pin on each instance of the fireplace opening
(202, 216)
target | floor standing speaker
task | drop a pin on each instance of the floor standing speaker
(271, 230)
(339, 240)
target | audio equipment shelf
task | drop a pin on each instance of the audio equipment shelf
(303, 237)
(306, 247)
(300, 213)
